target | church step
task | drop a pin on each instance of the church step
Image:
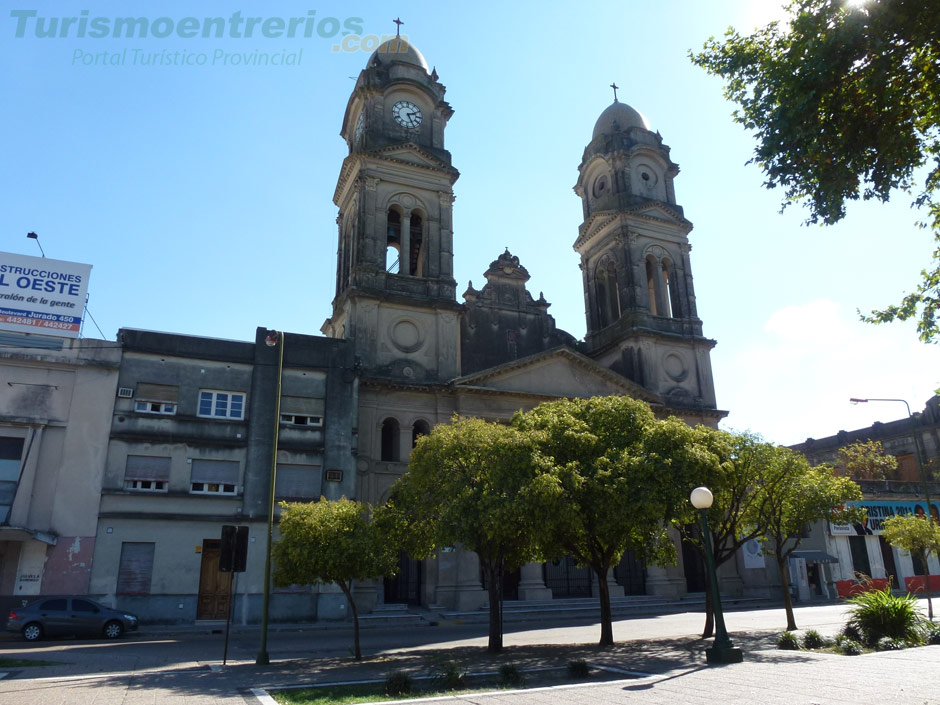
(514, 610)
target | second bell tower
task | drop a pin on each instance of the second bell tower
(395, 290)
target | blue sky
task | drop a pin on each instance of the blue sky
(202, 195)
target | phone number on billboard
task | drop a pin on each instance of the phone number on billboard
(60, 325)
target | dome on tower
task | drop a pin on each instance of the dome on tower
(617, 118)
(399, 49)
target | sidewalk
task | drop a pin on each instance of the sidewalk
(676, 666)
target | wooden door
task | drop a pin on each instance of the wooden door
(214, 586)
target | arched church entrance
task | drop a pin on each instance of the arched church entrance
(630, 574)
(694, 567)
(565, 579)
(405, 587)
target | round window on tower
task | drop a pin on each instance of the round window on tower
(600, 186)
(647, 177)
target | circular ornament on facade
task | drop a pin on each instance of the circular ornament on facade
(406, 335)
(647, 176)
(407, 201)
(675, 367)
(408, 372)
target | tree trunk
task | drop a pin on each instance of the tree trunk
(924, 557)
(494, 591)
(355, 615)
(787, 601)
(603, 593)
(709, 630)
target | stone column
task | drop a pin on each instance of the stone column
(660, 582)
(470, 593)
(532, 583)
(404, 255)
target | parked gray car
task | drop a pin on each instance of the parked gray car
(53, 616)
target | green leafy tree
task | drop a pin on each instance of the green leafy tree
(733, 516)
(471, 482)
(866, 461)
(915, 534)
(792, 495)
(622, 476)
(845, 104)
(332, 542)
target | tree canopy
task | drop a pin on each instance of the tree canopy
(915, 534)
(331, 542)
(735, 512)
(622, 476)
(845, 104)
(792, 495)
(866, 460)
(471, 482)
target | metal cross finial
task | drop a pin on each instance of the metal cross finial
(399, 23)
(614, 86)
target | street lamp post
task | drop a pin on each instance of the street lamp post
(722, 649)
(272, 338)
(918, 458)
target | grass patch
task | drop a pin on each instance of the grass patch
(24, 663)
(430, 687)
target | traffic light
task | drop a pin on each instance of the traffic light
(234, 554)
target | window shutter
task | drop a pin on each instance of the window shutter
(146, 467)
(158, 392)
(301, 406)
(223, 472)
(297, 482)
(136, 569)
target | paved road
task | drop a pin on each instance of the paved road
(184, 667)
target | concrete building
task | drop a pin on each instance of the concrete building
(862, 549)
(191, 440)
(55, 411)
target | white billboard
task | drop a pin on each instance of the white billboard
(41, 295)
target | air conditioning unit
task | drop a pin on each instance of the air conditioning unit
(125, 393)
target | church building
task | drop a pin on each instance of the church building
(425, 356)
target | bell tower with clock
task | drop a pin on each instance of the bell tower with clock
(395, 290)
(635, 261)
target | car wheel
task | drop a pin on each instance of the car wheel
(32, 631)
(112, 630)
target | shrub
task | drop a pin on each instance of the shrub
(448, 676)
(850, 647)
(510, 675)
(877, 614)
(889, 644)
(578, 669)
(933, 634)
(814, 640)
(397, 683)
(788, 641)
(850, 631)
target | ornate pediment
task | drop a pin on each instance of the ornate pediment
(559, 372)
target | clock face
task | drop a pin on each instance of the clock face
(360, 126)
(407, 114)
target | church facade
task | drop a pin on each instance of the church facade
(425, 357)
